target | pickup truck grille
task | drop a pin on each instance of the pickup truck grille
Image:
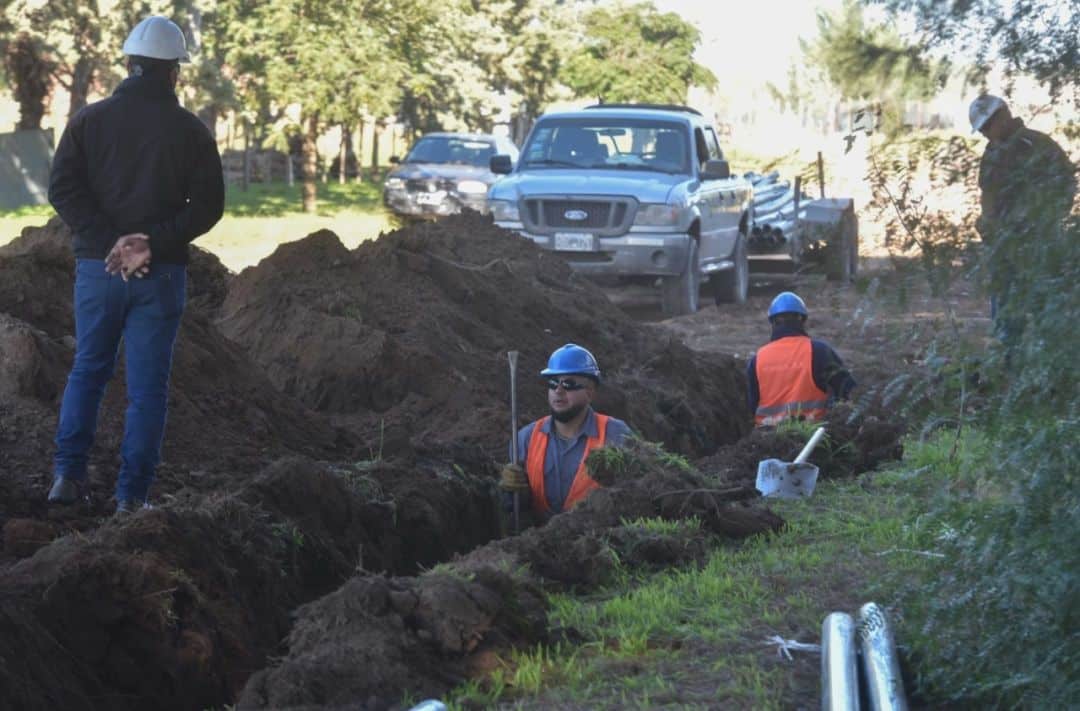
(605, 216)
(428, 185)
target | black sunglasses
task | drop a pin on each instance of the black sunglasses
(567, 385)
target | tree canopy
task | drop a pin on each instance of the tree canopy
(635, 53)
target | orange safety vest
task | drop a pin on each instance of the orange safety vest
(785, 374)
(534, 466)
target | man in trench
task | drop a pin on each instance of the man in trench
(554, 477)
(794, 376)
(1027, 186)
(136, 177)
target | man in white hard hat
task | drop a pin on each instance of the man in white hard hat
(136, 177)
(1027, 185)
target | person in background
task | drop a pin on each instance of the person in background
(136, 177)
(794, 376)
(1027, 186)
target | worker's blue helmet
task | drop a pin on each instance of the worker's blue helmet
(787, 302)
(572, 359)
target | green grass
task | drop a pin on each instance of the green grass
(695, 637)
(32, 211)
(279, 199)
(257, 221)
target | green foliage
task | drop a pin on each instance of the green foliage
(868, 61)
(997, 619)
(633, 53)
(1040, 38)
(925, 191)
(279, 199)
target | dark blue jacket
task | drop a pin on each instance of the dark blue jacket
(829, 372)
(137, 162)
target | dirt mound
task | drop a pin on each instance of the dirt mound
(174, 607)
(858, 440)
(376, 639)
(409, 333)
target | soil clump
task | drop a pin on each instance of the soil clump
(376, 638)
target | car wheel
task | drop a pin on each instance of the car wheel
(733, 285)
(680, 293)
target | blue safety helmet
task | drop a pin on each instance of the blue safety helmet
(572, 359)
(787, 302)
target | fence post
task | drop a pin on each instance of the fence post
(821, 173)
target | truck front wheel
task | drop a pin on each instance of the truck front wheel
(733, 285)
(680, 293)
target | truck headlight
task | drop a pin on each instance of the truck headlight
(657, 215)
(394, 183)
(504, 210)
(472, 187)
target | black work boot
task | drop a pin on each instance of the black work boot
(64, 491)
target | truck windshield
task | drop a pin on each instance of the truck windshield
(608, 143)
(448, 149)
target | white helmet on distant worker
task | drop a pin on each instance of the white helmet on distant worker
(982, 108)
(159, 38)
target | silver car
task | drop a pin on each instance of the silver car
(444, 172)
(632, 191)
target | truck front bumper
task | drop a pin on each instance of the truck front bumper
(437, 204)
(630, 254)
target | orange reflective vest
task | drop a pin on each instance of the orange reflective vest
(537, 454)
(785, 374)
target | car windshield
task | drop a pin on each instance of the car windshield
(609, 144)
(451, 150)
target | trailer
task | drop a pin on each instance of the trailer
(793, 233)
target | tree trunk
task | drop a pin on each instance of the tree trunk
(360, 151)
(343, 153)
(310, 155)
(82, 76)
(375, 148)
(246, 181)
(29, 72)
(209, 116)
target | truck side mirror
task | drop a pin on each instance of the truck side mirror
(395, 160)
(716, 170)
(501, 164)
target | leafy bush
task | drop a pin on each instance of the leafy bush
(995, 624)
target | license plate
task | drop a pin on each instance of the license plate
(430, 198)
(575, 242)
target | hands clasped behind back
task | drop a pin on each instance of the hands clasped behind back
(130, 256)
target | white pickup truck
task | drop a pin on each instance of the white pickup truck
(639, 192)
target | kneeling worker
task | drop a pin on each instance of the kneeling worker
(555, 447)
(794, 376)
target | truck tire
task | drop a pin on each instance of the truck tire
(733, 285)
(680, 293)
(843, 250)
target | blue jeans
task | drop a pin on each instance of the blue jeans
(146, 313)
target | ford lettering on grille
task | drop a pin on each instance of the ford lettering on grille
(576, 215)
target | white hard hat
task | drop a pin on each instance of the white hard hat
(982, 108)
(157, 37)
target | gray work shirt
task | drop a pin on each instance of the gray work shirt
(563, 456)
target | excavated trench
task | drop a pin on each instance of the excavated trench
(336, 421)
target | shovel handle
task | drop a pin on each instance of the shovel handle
(814, 439)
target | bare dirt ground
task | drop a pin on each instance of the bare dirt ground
(336, 421)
